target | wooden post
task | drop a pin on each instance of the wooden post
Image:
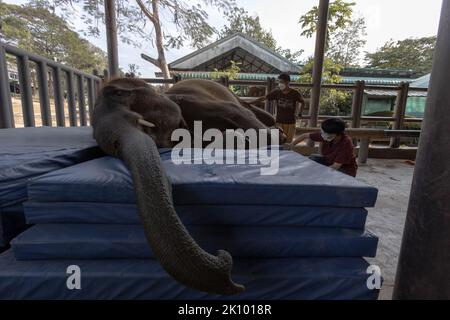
(6, 109)
(44, 97)
(225, 81)
(424, 264)
(111, 38)
(319, 57)
(358, 98)
(25, 91)
(269, 87)
(176, 78)
(106, 77)
(363, 153)
(400, 110)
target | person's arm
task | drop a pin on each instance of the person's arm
(259, 100)
(336, 166)
(270, 96)
(301, 138)
(301, 103)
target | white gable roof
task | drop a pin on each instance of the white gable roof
(229, 43)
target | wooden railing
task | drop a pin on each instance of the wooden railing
(366, 135)
(86, 84)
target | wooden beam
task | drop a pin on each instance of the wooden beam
(319, 57)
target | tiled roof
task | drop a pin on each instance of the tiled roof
(264, 76)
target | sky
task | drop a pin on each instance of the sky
(386, 19)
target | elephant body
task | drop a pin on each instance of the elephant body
(216, 106)
(130, 121)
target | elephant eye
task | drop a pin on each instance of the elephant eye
(119, 93)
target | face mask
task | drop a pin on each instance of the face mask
(282, 86)
(327, 136)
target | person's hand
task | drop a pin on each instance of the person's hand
(290, 146)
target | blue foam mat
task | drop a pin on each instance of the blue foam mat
(76, 241)
(299, 182)
(331, 278)
(12, 222)
(238, 215)
(30, 152)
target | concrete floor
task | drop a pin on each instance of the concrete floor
(393, 179)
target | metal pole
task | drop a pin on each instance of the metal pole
(111, 38)
(319, 57)
(423, 268)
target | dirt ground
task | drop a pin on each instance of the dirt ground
(18, 112)
(393, 179)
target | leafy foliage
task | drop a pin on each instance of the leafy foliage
(230, 72)
(332, 102)
(413, 53)
(182, 21)
(345, 33)
(345, 44)
(340, 14)
(239, 20)
(34, 28)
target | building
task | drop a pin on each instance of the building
(258, 62)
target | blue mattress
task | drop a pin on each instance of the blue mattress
(12, 222)
(238, 215)
(300, 182)
(30, 152)
(272, 279)
(78, 241)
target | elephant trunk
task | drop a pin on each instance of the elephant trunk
(171, 243)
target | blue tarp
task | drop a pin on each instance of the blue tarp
(326, 278)
(238, 215)
(81, 241)
(299, 182)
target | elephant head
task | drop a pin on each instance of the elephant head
(131, 121)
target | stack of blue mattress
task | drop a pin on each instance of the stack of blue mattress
(298, 234)
(30, 152)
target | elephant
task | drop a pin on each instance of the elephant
(131, 121)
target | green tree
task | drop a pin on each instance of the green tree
(230, 72)
(412, 53)
(239, 20)
(340, 15)
(34, 28)
(332, 102)
(346, 44)
(165, 24)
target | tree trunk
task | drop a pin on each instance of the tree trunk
(159, 42)
(161, 61)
